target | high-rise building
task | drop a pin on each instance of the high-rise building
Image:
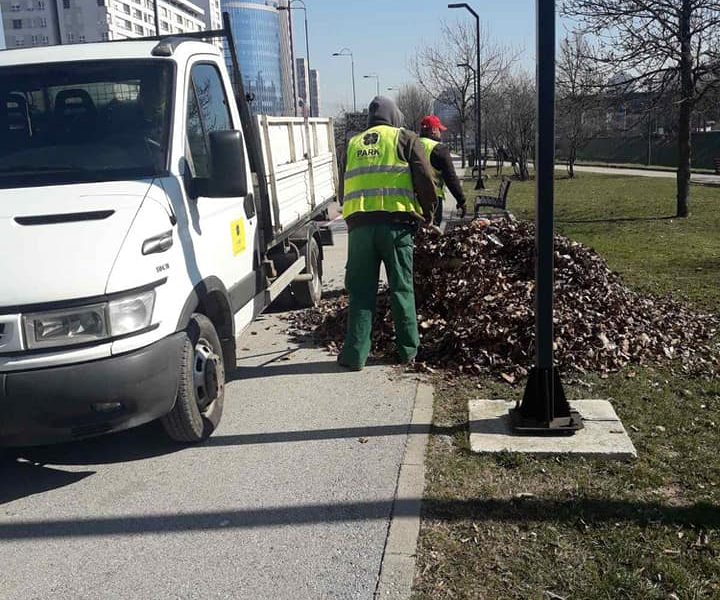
(261, 34)
(33, 23)
(308, 88)
(213, 13)
(314, 93)
(303, 83)
(444, 107)
(49, 22)
(2, 31)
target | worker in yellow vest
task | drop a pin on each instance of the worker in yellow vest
(388, 191)
(438, 154)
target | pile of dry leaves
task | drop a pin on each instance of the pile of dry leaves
(475, 303)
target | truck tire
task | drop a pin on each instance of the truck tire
(201, 393)
(309, 293)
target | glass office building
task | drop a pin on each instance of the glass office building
(262, 44)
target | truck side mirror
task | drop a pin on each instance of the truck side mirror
(228, 175)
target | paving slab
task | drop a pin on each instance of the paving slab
(602, 437)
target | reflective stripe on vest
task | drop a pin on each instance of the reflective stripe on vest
(375, 178)
(429, 145)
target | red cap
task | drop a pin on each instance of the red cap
(432, 122)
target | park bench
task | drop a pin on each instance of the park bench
(498, 202)
(716, 162)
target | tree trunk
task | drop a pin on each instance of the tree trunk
(462, 144)
(686, 106)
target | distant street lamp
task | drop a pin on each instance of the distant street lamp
(348, 52)
(480, 184)
(476, 95)
(376, 77)
(303, 8)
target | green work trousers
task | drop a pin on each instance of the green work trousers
(368, 246)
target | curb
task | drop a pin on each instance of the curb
(397, 569)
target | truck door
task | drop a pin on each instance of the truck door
(223, 229)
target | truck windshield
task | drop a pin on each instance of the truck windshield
(84, 121)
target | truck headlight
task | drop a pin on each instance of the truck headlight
(65, 327)
(91, 323)
(131, 314)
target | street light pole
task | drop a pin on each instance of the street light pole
(376, 77)
(475, 87)
(544, 408)
(348, 52)
(157, 18)
(480, 183)
(303, 8)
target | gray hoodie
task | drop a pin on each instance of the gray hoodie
(384, 111)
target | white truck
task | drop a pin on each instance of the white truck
(146, 218)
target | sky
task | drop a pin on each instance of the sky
(384, 34)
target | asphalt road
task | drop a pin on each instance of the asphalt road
(290, 498)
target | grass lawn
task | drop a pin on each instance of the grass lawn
(629, 221)
(522, 527)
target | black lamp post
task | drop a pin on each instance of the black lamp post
(475, 91)
(544, 408)
(303, 8)
(348, 52)
(480, 183)
(157, 18)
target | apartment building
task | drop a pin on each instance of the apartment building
(48, 22)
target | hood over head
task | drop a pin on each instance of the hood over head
(384, 111)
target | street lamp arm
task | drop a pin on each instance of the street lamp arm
(348, 52)
(466, 6)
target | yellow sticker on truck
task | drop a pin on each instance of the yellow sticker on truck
(237, 232)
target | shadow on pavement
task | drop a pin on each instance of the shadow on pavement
(273, 369)
(20, 479)
(139, 443)
(279, 437)
(591, 510)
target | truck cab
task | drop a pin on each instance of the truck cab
(136, 238)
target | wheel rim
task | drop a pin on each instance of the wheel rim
(316, 281)
(206, 379)
(317, 285)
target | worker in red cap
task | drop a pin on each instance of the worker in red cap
(438, 154)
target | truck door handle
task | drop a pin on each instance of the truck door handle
(249, 206)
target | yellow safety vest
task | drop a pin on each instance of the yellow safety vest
(375, 177)
(429, 145)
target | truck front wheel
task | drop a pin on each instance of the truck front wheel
(199, 403)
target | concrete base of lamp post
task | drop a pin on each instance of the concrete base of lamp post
(603, 435)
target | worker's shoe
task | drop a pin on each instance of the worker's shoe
(407, 361)
(348, 366)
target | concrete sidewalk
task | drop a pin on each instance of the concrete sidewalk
(699, 178)
(290, 499)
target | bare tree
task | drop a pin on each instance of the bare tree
(415, 103)
(437, 70)
(660, 44)
(520, 121)
(578, 87)
(511, 122)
